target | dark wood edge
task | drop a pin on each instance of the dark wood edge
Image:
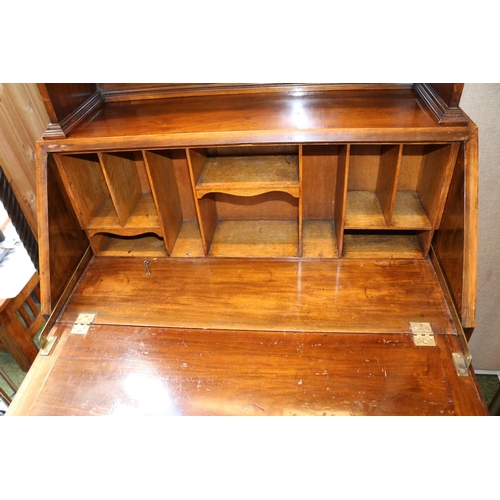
(61, 302)
(157, 91)
(62, 129)
(441, 112)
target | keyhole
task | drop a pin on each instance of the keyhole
(148, 271)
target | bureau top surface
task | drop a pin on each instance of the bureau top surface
(379, 115)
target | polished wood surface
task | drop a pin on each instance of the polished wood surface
(296, 219)
(455, 241)
(127, 371)
(218, 120)
(270, 294)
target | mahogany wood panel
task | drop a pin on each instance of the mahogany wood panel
(455, 243)
(125, 370)
(276, 205)
(342, 116)
(341, 195)
(161, 172)
(390, 161)
(249, 175)
(123, 182)
(84, 183)
(61, 99)
(319, 172)
(248, 294)
(61, 241)
(449, 92)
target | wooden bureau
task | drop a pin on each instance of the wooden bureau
(210, 249)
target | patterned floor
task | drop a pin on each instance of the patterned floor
(488, 382)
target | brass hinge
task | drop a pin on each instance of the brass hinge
(82, 323)
(422, 334)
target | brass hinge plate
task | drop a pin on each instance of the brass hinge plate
(422, 334)
(82, 324)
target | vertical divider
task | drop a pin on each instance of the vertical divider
(441, 181)
(163, 183)
(206, 209)
(341, 195)
(300, 222)
(387, 179)
(123, 183)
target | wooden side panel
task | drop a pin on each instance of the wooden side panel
(123, 183)
(318, 181)
(450, 93)
(85, 184)
(61, 99)
(206, 208)
(455, 242)
(161, 172)
(434, 180)
(390, 161)
(61, 241)
(23, 120)
(341, 195)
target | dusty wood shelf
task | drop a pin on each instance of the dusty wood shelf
(143, 246)
(408, 212)
(143, 219)
(263, 238)
(382, 246)
(319, 240)
(188, 243)
(249, 175)
(363, 211)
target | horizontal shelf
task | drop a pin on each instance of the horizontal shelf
(363, 211)
(144, 219)
(319, 239)
(263, 238)
(188, 243)
(249, 175)
(143, 246)
(408, 212)
(382, 246)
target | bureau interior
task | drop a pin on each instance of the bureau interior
(276, 201)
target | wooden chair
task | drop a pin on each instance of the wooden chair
(20, 320)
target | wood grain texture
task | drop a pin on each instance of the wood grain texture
(61, 241)
(319, 239)
(319, 174)
(116, 370)
(249, 175)
(22, 122)
(161, 172)
(268, 206)
(85, 185)
(390, 162)
(455, 242)
(434, 181)
(123, 183)
(382, 246)
(341, 195)
(264, 238)
(223, 120)
(248, 294)
(143, 219)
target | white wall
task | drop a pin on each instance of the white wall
(481, 101)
